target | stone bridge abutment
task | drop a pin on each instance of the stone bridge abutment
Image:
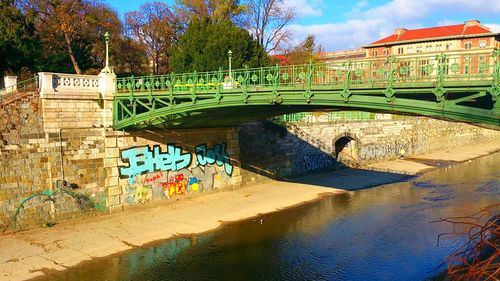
(61, 157)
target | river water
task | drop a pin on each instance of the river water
(382, 233)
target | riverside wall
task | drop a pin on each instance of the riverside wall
(298, 149)
(61, 158)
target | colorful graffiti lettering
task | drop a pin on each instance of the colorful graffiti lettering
(153, 174)
(154, 177)
(143, 194)
(217, 155)
(142, 160)
(137, 194)
(175, 186)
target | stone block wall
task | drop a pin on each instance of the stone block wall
(61, 159)
(96, 164)
(20, 118)
(74, 113)
(31, 171)
(269, 150)
(389, 139)
(169, 165)
(272, 151)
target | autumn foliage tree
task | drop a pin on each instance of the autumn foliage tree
(67, 35)
(72, 28)
(304, 52)
(215, 10)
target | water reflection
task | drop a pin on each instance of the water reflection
(381, 233)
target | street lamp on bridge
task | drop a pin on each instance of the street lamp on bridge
(230, 55)
(106, 68)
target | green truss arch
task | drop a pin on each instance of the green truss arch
(463, 87)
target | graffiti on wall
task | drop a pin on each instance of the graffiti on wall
(316, 162)
(216, 155)
(374, 151)
(142, 160)
(154, 174)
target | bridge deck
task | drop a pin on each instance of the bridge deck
(462, 87)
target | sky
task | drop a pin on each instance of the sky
(342, 24)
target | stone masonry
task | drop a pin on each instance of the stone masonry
(61, 158)
(297, 149)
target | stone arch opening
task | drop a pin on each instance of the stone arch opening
(346, 150)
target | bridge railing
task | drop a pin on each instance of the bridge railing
(409, 70)
(28, 85)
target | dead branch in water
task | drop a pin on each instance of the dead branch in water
(479, 257)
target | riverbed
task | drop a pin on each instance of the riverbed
(380, 233)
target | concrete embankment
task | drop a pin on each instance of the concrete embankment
(28, 254)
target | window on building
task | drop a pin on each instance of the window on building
(482, 44)
(438, 47)
(449, 46)
(409, 50)
(467, 65)
(424, 69)
(400, 51)
(374, 53)
(483, 65)
(428, 48)
(386, 52)
(468, 45)
(419, 49)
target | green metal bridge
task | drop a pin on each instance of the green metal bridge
(462, 87)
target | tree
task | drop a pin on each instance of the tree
(128, 56)
(268, 19)
(304, 52)
(155, 26)
(72, 28)
(19, 44)
(204, 47)
(216, 10)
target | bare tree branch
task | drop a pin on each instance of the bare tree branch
(268, 21)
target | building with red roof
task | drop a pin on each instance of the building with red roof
(469, 36)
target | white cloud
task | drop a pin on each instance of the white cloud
(305, 8)
(494, 27)
(369, 24)
(351, 34)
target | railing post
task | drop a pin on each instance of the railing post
(309, 81)
(193, 87)
(275, 97)
(389, 89)
(346, 93)
(171, 97)
(495, 87)
(246, 77)
(107, 91)
(220, 81)
(10, 83)
(439, 91)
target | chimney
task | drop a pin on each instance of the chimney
(400, 31)
(472, 23)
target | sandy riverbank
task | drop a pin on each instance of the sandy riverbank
(24, 255)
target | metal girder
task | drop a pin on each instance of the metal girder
(464, 87)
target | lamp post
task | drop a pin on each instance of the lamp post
(230, 55)
(106, 68)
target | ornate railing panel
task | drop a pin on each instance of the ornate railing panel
(463, 83)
